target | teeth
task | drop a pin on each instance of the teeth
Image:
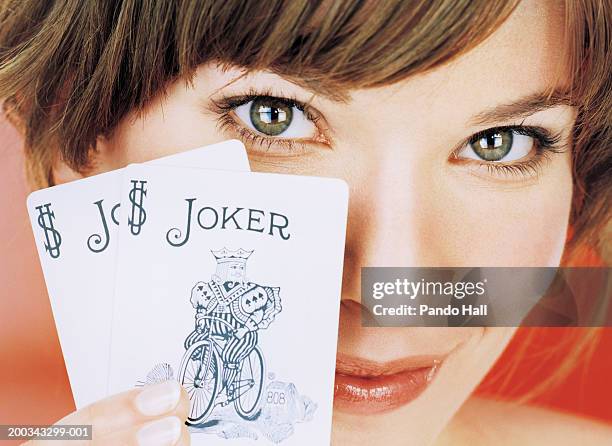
(433, 370)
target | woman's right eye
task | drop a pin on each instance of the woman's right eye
(275, 117)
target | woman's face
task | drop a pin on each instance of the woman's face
(424, 192)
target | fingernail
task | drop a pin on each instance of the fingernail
(159, 398)
(164, 432)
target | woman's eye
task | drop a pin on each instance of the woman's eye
(275, 117)
(498, 146)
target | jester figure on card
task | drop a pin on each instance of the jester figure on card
(234, 308)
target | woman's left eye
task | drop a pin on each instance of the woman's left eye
(497, 145)
(275, 117)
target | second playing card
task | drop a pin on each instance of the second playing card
(233, 288)
(75, 227)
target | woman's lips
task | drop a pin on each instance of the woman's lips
(368, 387)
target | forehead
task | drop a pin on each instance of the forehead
(523, 57)
(526, 50)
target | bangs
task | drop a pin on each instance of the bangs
(334, 46)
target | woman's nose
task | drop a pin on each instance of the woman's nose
(389, 222)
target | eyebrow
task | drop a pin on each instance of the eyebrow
(523, 107)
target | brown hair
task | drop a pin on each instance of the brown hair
(588, 40)
(71, 70)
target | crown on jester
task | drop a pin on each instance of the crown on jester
(226, 255)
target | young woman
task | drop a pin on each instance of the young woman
(471, 133)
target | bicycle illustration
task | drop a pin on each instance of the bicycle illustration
(201, 371)
(223, 363)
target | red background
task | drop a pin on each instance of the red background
(33, 382)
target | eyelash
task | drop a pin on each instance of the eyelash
(545, 142)
(224, 106)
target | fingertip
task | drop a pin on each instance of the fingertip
(159, 398)
(164, 431)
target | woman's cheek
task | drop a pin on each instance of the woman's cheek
(520, 226)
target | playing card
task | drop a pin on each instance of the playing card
(75, 227)
(233, 289)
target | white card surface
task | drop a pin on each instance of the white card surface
(75, 227)
(256, 259)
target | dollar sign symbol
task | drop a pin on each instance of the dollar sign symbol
(53, 239)
(138, 214)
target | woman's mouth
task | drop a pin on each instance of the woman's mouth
(367, 387)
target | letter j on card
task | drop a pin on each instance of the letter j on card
(231, 285)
